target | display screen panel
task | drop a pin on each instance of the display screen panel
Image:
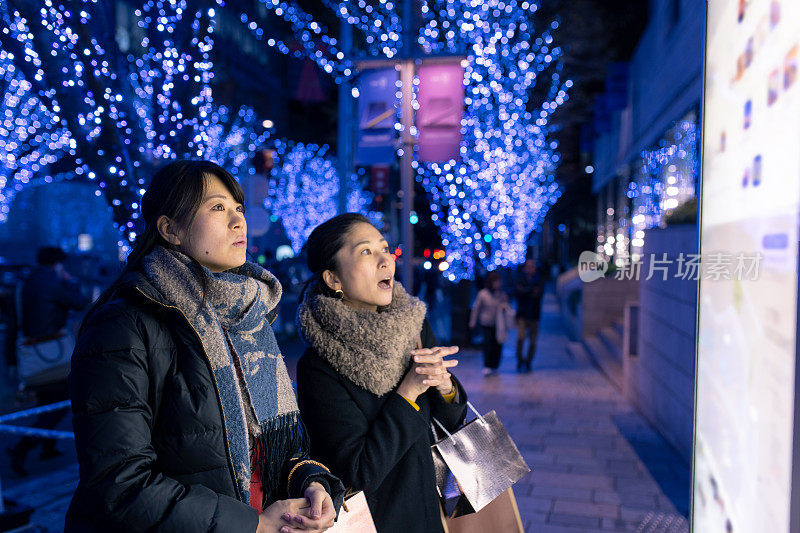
(750, 198)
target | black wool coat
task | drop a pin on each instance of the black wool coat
(149, 427)
(380, 445)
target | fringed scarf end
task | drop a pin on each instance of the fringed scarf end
(281, 439)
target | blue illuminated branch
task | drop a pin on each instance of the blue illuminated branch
(316, 44)
(32, 133)
(380, 24)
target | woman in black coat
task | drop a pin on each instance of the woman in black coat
(366, 392)
(184, 414)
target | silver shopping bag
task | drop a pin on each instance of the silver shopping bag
(451, 499)
(482, 457)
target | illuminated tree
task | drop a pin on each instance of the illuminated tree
(32, 133)
(488, 202)
(126, 110)
(304, 190)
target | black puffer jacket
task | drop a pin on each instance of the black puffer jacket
(149, 428)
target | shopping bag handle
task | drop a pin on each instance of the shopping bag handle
(469, 404)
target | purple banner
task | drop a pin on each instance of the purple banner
(377, 115)
(441, 106)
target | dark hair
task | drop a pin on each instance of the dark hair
(325, 242)
(176, 191)
(491, 277)
(50, 255)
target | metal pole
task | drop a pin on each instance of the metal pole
(407, 175)
(406, 170)
(345, 125)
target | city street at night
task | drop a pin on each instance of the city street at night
(243, 244)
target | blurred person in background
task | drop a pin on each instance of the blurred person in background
(46, 297)
(529, 291)
(491, 310)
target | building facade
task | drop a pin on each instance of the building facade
(647, 133)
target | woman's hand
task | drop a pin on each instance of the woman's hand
(320, 513)
(429, 370)
(314, 513)
(278, 516)
(432, 364)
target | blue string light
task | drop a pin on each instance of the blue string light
(665, 177)
(304, 190)
(32, 134)
(230, 140)
(315, 43)
(379, 22)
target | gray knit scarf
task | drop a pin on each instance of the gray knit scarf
(371, 349)
(254, 386)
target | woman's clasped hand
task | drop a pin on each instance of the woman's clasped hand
(314, 513)
(430, 369)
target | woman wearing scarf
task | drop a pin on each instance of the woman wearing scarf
(184, 414)
(367, 394)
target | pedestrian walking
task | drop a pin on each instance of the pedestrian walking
(184, 413)
(366, 391)
(493, 313)
(529, 291)
(46, 297)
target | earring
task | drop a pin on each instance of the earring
(339, 294)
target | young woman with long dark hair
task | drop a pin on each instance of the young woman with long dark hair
(367, 392)
(184, 413)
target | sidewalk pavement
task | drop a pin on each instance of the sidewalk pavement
(589, 450)
(596, 464)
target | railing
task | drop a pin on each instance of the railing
(27, 431)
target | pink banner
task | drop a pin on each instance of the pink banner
(441, 106)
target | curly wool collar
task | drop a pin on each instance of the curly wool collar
(371, 349)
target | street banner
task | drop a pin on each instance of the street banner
(441, 106)
(377, 115)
